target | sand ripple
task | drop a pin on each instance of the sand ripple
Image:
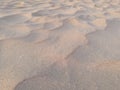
(35, 35)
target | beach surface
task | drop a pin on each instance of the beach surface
(59, 44)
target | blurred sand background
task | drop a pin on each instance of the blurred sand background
(59, 44)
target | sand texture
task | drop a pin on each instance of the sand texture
(59, 44)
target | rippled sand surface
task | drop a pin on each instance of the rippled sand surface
(59, 44)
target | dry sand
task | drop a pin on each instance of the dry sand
(59, 44)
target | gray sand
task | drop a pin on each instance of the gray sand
(102, 48)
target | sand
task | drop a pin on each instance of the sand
(59, 44)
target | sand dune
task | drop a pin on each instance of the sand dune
(59, 44)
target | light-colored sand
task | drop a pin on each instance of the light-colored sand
(59, 44)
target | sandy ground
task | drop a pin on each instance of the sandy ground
(59, 44)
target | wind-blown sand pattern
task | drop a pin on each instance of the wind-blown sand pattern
(59, 44)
